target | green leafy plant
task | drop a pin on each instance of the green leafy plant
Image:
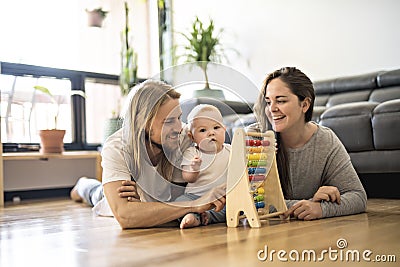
(54, 100)
(100, 11)
(203, 46)
(129, 66)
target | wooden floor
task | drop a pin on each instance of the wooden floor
(65, 233)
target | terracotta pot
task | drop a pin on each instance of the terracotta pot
(52, 141)
(95, 19)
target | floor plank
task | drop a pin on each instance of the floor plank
(60, 232)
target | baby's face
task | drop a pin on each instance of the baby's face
(208, 134)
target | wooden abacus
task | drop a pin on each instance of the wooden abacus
(252, 180)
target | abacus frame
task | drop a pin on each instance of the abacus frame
(238, 197)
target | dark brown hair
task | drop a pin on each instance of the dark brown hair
(301, 86)
(298, 83)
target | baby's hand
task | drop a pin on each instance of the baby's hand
(195, 165)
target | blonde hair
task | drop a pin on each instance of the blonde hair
(144, 100)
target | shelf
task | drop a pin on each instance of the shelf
(32, 156)
(41, 156)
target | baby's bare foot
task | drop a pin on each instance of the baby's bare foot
(190, 220)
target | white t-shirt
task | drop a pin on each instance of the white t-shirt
(213, 169)
(151, 185)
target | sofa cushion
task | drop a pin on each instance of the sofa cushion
(324, 87)
(355, 83)
(386, 125)
(352, 124)
(349, 109)
(230, 121)
(317, 112)
(388, 78)
(242, 121)
(348, 97)
(385, 94)
(376, 161)
(321, 100)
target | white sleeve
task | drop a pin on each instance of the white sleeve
(113, 160)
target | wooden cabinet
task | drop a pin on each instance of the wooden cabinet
(36, 160)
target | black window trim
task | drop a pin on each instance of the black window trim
(77, 79)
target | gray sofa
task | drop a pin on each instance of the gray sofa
(363, 111)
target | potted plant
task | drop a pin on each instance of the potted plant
(96, 17)
(127, 78)
(204, 46)
(51, 140)
(129, 66)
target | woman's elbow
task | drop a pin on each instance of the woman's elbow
(363, 201)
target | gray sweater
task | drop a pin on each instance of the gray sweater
(323, 161)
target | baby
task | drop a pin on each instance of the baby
(204, 165)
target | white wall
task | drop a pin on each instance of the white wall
(324, 38)
(55, 34)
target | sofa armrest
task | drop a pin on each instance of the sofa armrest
(349, 109)
(352, 124)
(386, 125)
(317, 112)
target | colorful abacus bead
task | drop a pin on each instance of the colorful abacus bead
(253, 170)
(252, 142)
(257, 156)
(260, 205)
(260, 191)
(255, 149)
(256, 178)
(259, 198)
(265, 143)
(256, 163)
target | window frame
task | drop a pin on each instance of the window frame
(78, 104)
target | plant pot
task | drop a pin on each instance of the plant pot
(51, 141)
(95, 18)
(111, 126)
(211, 93)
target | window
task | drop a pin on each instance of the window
(25, 110)
(103, 101)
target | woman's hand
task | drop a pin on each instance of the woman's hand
(128, 190)
(305, 210)
(327, 193)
